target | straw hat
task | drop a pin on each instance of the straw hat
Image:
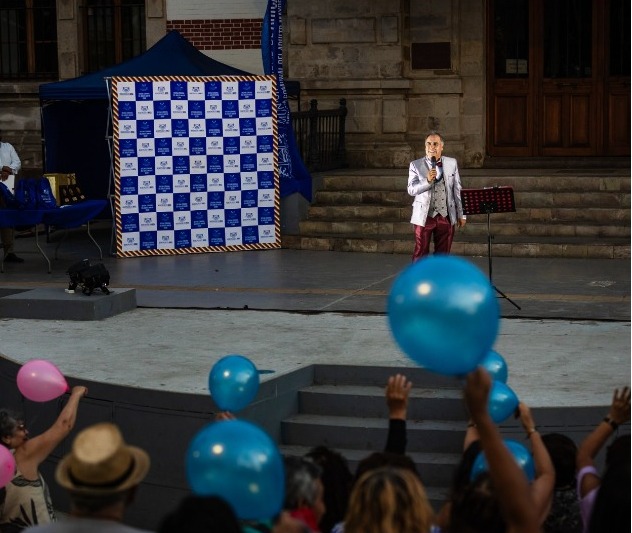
(101, 463)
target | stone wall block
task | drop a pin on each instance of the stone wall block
(389, 29)
(394, 117)
(65, 9)
(298, 30)
(341, 30)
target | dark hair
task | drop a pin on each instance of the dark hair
(463, 471)
(611, 511)
(563, 452)
(201, 514)
(337, 479)
(475, 508)
(382, 459)
(300, 476)
(618, 451)
(9, 421)
(437, 134)
(388, 500)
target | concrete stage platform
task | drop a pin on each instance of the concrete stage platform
(292, 312)
(288, 308)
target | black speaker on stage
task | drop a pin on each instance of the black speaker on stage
(89, 277)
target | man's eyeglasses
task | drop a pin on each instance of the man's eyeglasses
(434, 143)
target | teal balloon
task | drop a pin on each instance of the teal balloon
(443, 314)
(519, 452)
(495, 365)
(233, 382)
(502, 402)
(240, 463)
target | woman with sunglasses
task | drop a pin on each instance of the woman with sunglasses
(25, 501)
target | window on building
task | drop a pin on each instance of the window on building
(28, 39)
(114, 31)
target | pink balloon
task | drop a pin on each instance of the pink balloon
(7, 466)
(41, 381)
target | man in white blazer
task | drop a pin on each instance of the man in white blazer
(435, 183)
(10, 164)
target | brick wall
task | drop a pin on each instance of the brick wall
(220, 34)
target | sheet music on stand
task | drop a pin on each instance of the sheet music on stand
(488, 200)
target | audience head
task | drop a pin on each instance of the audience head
(388, 500)
(303, 486)
(463, 470)
(337, 479)
(201, 514)
(475, 508)
(101, 470)
(618, 451)
(611, 510)
(10, 424)
(563, 452)
(383, 459)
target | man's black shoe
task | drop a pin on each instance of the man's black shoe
(12, 258)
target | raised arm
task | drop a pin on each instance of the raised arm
(397, 393)
(510, 483)
(544, 482)
(37, 449)
(619, 413)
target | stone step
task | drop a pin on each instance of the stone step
(436, 469)
(514, 246)
(318, 228)
(368, 401)
(386, 180)
(344, 409)
(377, 376)
(340, 432)
(596, 216)
(531, 199)
(580, 212)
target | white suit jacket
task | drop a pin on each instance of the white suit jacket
(419, 187)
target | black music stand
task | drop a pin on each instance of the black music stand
(489, 200)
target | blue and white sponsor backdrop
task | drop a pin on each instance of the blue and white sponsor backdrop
(195, 164)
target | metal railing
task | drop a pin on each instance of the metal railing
(320, 136)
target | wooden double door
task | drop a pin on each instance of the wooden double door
(558, 78)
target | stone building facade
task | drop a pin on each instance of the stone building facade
(403, 67)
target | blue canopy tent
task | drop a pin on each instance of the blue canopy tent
(74, 112)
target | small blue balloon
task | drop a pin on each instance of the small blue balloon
(444, 314)
(239, 462)
(495, 365)
(520, 453)
(502, 402)
(233, 382)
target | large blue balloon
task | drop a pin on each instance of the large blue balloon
(502, 402)
(239, 462)
(233, 382)
(444, 314)
(495, 365)
(520, 453)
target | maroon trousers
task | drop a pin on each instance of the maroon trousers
(440, 230)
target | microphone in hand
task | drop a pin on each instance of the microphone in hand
(433, 175)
